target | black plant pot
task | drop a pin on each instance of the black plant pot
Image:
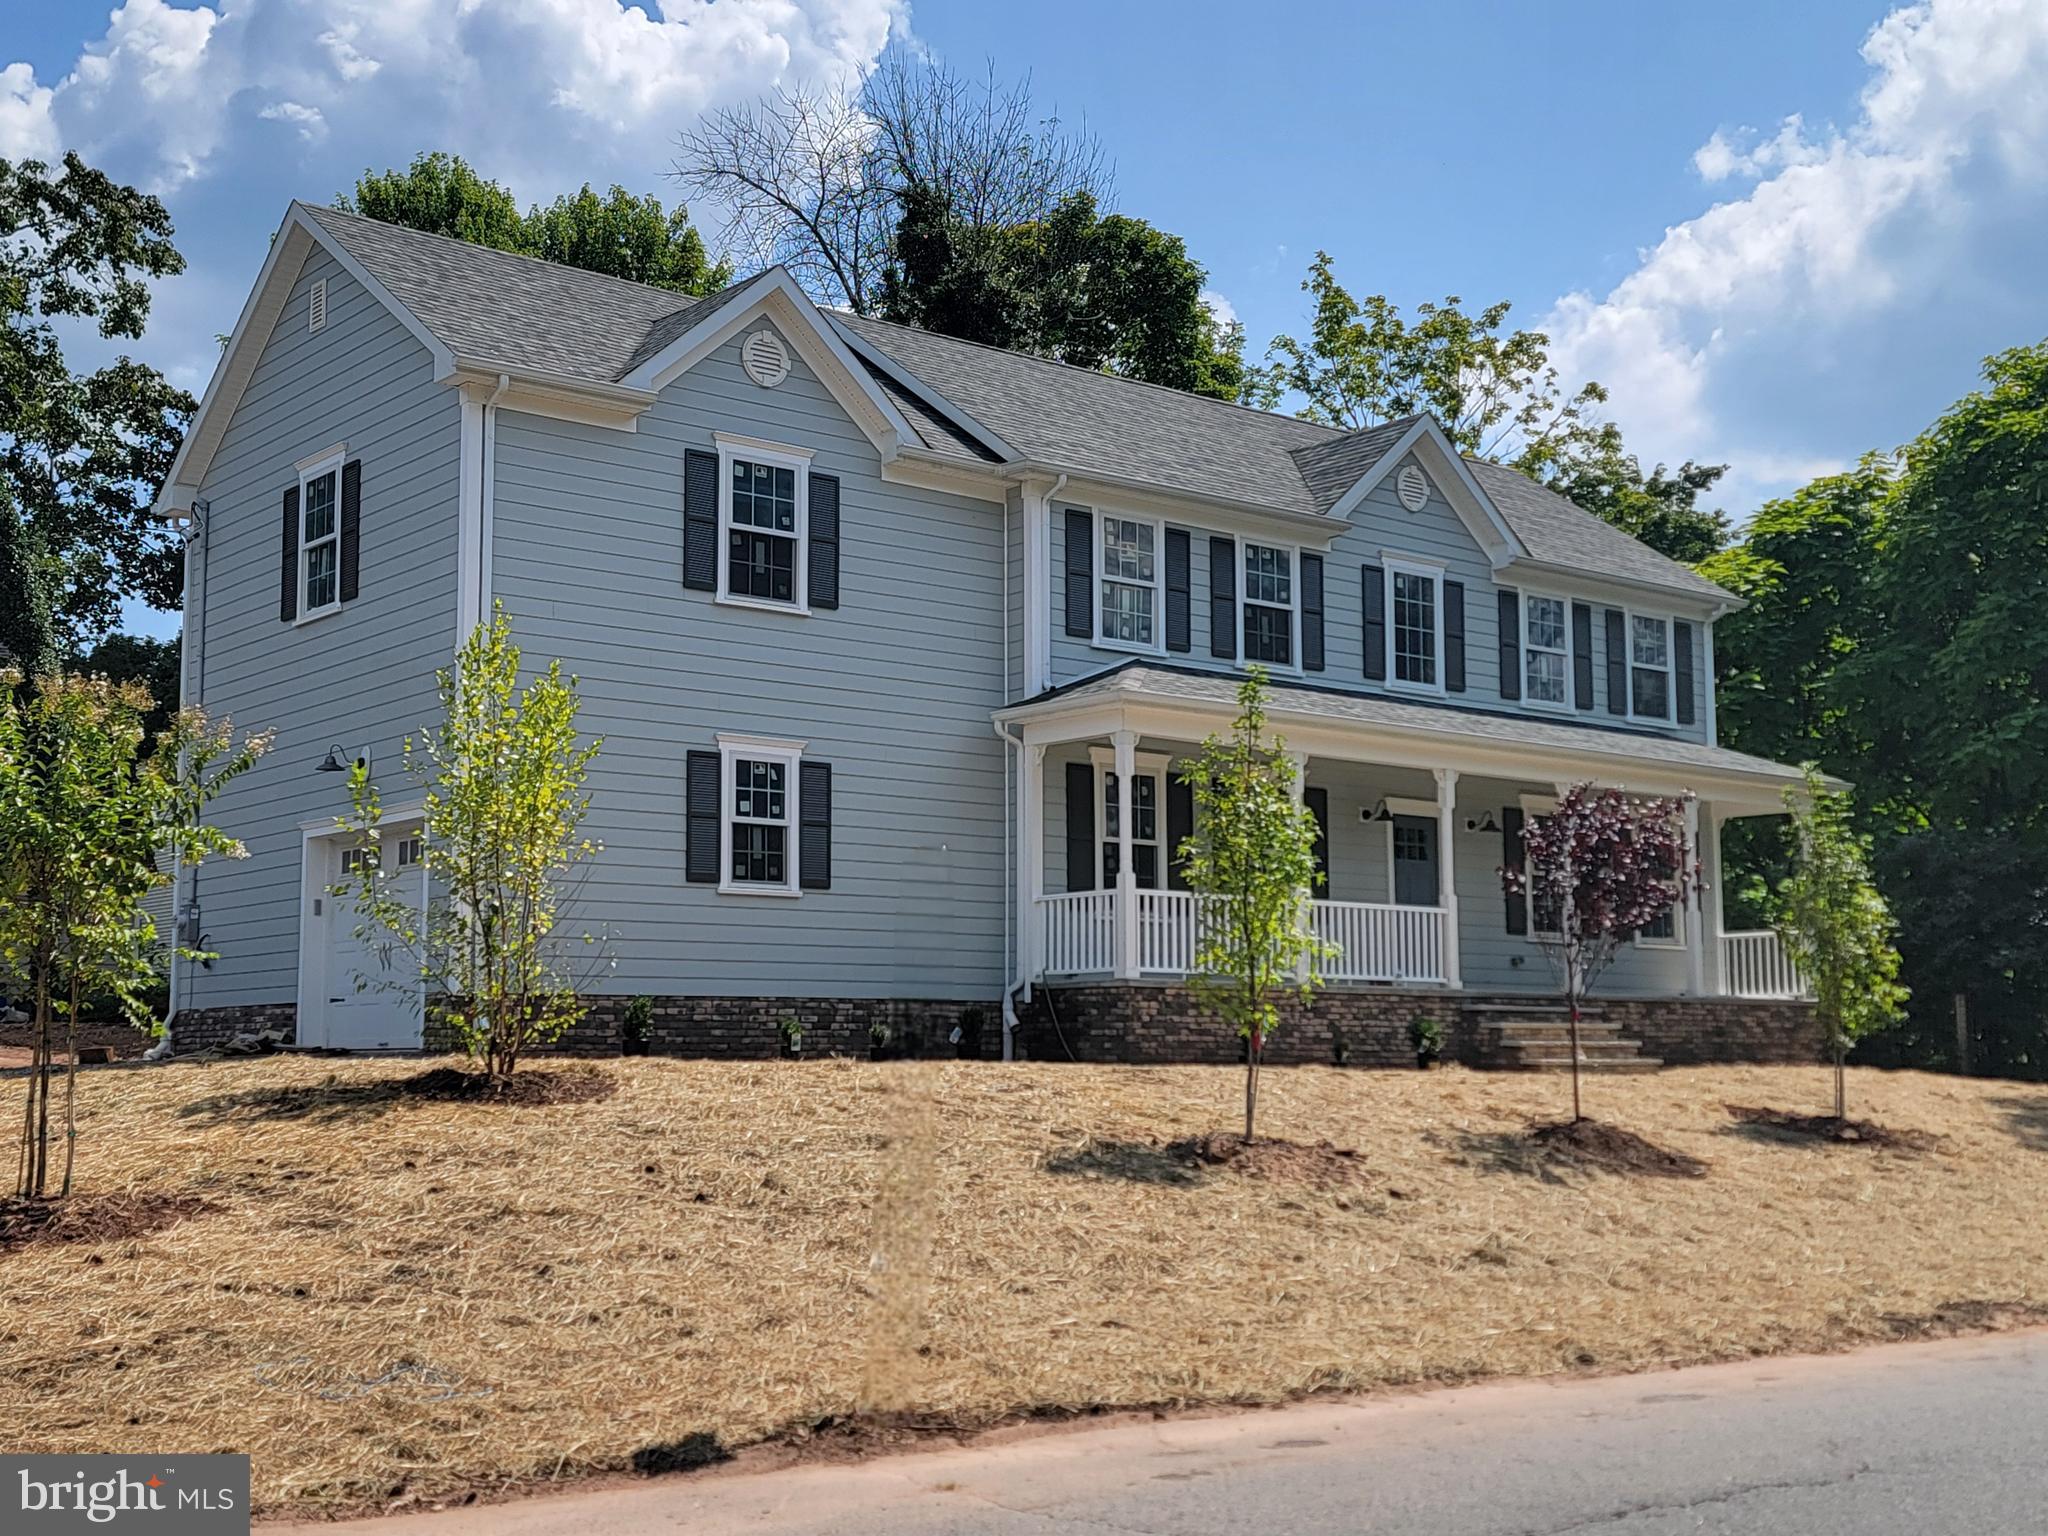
(1427, 1061)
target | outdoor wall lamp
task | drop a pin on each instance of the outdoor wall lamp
(336, 763)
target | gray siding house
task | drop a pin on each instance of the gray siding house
(895, 642)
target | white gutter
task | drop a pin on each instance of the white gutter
(487, 502)
(1013, 956)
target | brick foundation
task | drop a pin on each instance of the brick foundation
(200, 1029)
(1160, 1024)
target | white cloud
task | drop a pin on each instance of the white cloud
(307, 120)
(1219, 306)
(1842, 255)
(26, 132)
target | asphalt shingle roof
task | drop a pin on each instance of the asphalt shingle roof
(522, 313)
(1140, 680)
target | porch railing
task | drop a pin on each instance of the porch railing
(1757, 965)
(1376, 941)
(1371, 941)
(1079, 931)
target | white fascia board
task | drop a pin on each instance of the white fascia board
(1605, 587)
(776, 295)
(1492, 529)
(917, 386)
(1087, 487)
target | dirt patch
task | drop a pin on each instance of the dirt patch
(454, 1085)
(1604, 1148)
(1953, 1319)
(1269, 1157)
(124, 1041)
(91, 1218)
(1783, 1125)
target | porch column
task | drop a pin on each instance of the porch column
(1446, 871)
(1714, 904)
(1126, 744)
(1307, 909)
(1695, 920)
(1031, 865)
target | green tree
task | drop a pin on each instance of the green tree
(1836, 924)
(1661, 508)
(1252, 859)
(504, 774)
(83, 816)
(29, 637)
(1100, 291)
(617, 234)
(84, 453)
(1494, 392)
(1961, 583)
(139, 659)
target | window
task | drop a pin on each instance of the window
(763, 507)
(1129, 611)
(409, 850)
(1649, 669)
(1148, 822)
(1414, 627)
(320, 537)
(1268, 605)
(1546, 910)
(1546, 650)
(760, 815)
(1667, 931)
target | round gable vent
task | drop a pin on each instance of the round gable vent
(1412, 486)
(765, 358)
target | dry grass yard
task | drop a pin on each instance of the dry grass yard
(388, 1297)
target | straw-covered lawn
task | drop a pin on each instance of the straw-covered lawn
(391, 1297)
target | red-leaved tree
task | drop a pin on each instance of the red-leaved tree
(1599, 868)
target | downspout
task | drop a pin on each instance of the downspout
(1013, 958)
(194, 672)
(487, 501)
(1045, 606)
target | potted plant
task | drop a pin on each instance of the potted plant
(633, 1027)
(1340, 1051)
(791, 1028)
(967, 1033)
(879, 1037)
(1427, 1036)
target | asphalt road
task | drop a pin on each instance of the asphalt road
(1909, 1440)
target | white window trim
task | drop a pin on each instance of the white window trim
(1104, 642)
(330, 462)
(1670, 668)
(1408, 566)
(1532, 807)
(1293, 552)
(1150, 765)
(1571, 653)
(1677, 939)
(759, 749)
(782, 456)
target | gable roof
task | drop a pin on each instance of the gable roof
(978, 405)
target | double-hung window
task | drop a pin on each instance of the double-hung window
(1128, 613)
(1269, 604)
(1148, 820)
(1415, 626)
(1649, 667)
(760, 815)
(1546, 907)
(320, 537)
(763, 506)
(1546, 649)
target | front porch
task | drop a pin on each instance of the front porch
(1420, 807)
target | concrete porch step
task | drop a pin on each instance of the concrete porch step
(1562, 1062)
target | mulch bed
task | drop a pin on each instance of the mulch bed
(1595, 1145)
(452, 1085)
(17, 1041)
(1268, 1157)
(91, 1218)
(1826, 1128)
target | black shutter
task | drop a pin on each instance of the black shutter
(1454, 636)
(1223, 598)
(823, 557)
(814, 829)
(1180, 826)
(1312, 612)
(351, 528)
(1511, 858)
(1682, 668)
(1617, 663)
(700, 813)
(1582, 654)
(1082, 857)
(1510, 645)
(1372, 589)
(1081, 574)
(1317, 799)
(700, 524)
(288, 572)
(1179, 581)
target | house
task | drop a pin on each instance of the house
(894, 642)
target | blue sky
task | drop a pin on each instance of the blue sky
(1781, 234)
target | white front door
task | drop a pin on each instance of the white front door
(372, 987)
